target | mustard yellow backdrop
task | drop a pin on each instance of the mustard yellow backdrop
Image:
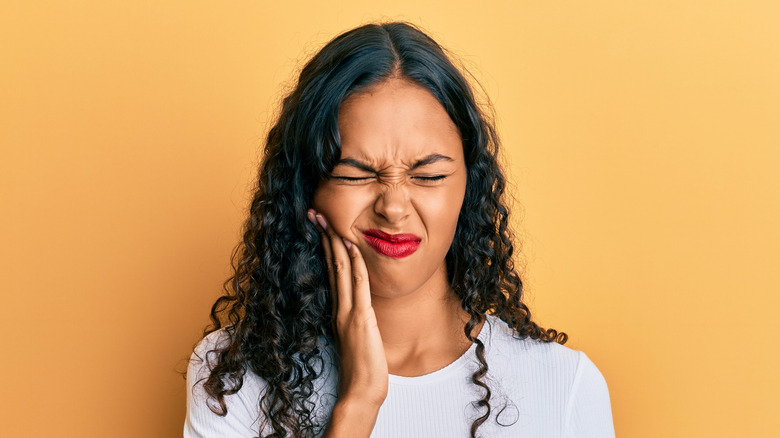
(642, 139)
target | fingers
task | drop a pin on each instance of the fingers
(339, 265)
(361, 293)
(328, 263)
(325, 246)
(342, 268)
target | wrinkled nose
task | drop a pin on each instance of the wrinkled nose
(393, 204)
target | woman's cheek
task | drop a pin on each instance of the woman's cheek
(341, 207)
(436, 203)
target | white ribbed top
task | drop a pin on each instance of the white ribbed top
(538, 390)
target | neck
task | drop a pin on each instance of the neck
(424, 330)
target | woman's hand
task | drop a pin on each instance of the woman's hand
(364, 373)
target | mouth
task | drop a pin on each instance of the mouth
(392, 245)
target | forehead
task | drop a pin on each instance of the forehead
(396, 121)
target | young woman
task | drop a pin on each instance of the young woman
(374, 291)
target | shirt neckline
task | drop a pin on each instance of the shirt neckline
(450, 370)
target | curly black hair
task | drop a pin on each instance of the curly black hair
(277, 303)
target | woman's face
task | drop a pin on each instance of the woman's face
(397, 189)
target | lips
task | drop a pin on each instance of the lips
(392, 245)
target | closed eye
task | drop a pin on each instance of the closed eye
(430, 178)
(352, 178)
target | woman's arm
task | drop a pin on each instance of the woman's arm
(364, 372)
(351, 419)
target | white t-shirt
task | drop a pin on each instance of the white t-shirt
(538, 390)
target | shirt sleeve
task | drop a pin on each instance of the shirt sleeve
(589, 413)
(242, 408)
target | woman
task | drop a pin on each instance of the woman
(374, 292)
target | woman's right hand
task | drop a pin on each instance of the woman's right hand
(364, 373)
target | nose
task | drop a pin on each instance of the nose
(393, 204)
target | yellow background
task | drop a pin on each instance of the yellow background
(642, 139)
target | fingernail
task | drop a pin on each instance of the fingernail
(310, 216)
(347, 243)
(322, 222)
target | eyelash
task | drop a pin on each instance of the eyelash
(430, 178)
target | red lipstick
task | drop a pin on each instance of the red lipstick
(392, 245)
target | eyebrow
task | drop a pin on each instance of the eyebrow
(430, 159)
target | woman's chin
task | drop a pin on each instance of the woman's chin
(390, 288)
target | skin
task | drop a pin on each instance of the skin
(393, 316)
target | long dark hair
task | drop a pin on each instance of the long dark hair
(277, 303)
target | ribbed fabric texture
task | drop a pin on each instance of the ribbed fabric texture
(538, 390)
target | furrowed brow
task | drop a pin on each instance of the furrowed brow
(430, 159)
(355, 163)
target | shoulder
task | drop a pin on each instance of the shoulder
(549, 358)
(243, 407)
(553, 375)
(504, 345)
(589, 409)
(204, 356)
(202, 419)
